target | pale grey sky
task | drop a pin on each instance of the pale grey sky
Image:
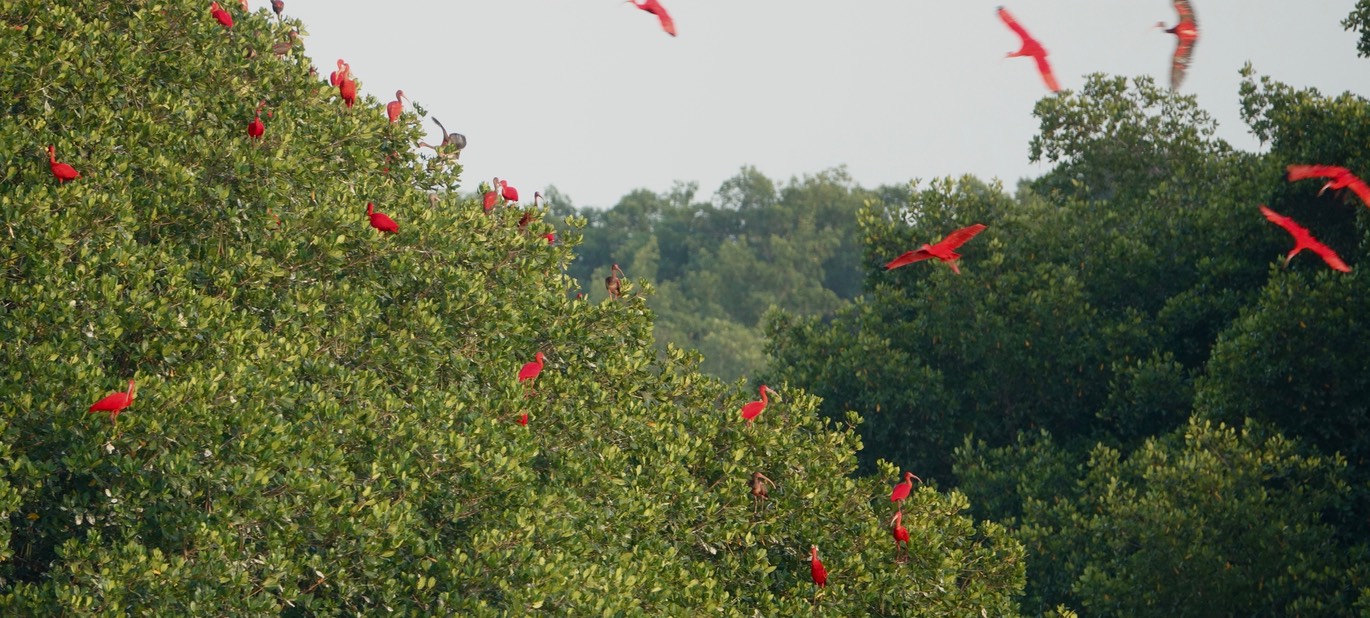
(592, 97)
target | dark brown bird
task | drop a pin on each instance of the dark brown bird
(611, 283)
(278, 6)
(452, 143)
(758, 485)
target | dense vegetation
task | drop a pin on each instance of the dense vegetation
(1145, 409)
(1127, 375)
(718, 265)
(326, 418)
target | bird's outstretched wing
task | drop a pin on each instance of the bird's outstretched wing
(1186, 12)
(1179, 63)
(959, 237)
(667, 23)
(1044, 68)
(907, 258)
(1300, 172)
(1328, 255)
(1362, 191)
(1014, 25)
(1186, 35)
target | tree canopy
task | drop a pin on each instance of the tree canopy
(327, 417)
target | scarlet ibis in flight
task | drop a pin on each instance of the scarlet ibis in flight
(611, 283)
(255, 129)
(114, 403)
(901, 490)
(381, 221)
(1341, 178)
(1030, 48)
(816, 568)
(221, 15)
(755, 408)
(901, 537)
(654, 7)
(1304, 240)
(394, 108)
(61, 171)
(1186, 32)
(758, 484)
(944, 250)
(530, 371)
(278, 6)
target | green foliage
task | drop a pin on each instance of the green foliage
(719, 266)
(1204, 521)
(326, 416)
(1359, 21)
(1115, 319)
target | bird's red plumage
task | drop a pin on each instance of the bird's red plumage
(1340, 178)
(1303, 239)
(531, 370)
(654, 7)
(817, 571)
(255, 129)
(61, 171)
(1030, 47)
(223, 17)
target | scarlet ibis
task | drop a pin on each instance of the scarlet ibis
(755, 408)
(1030, 48)
(816, 568)
(335, 78)
(255, 129)
(654, 7)
(944, 250)
(1341, 178)
(611, 283)
(278, 6)
(507, 192)
(1186, 32)
(551, 238)
(901, 490)
(347, 88)
(1304, 240)
(523, 419)
(488, 201)
(758, 485)
(531, 370)
(221, 15)
(381, 221)
(61, 171)
(901, 537)
(114, 403)
(394, 108)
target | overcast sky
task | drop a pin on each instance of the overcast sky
(592, 97)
